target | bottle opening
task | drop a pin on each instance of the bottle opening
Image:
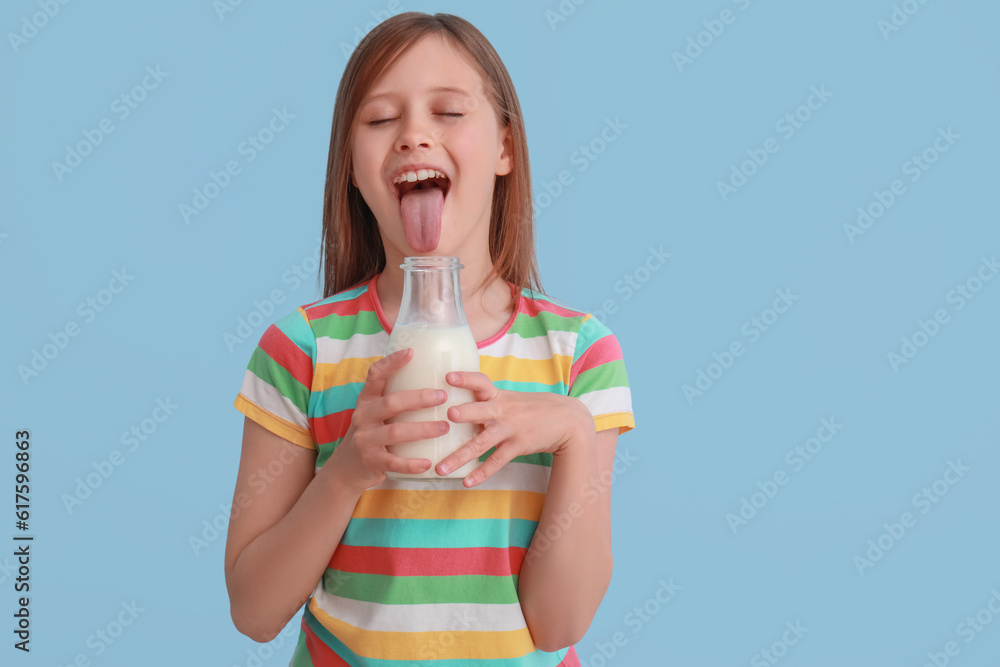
(430, 263)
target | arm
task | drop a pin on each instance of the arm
(289, 523)
(282, 532)
(563, 580)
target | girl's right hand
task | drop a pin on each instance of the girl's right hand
(361, 459)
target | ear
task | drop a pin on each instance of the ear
(505, 160)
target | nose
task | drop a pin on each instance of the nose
(414, 133)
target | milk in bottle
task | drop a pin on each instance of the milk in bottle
(432, 322)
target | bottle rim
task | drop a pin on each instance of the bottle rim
(431, 263)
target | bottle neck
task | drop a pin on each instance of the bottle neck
(432, 293)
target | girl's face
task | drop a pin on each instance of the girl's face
(429, 111)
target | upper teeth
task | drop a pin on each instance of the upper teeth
(418, 175)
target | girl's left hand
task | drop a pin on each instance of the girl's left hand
(516, 422)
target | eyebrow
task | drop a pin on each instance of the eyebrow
(436, 89)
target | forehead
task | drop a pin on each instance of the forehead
(431, 64)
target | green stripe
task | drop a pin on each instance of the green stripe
(325, 451)
(342, 327)
(439, 533)
(607, 375)
(300, 658)
(527, 326)
(388, 589)
(539, 458)
(273, 373)
(335, 399)
(513, 385)
(295, 327)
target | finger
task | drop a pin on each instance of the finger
(470, 451)
(393, 463)
(400, 432)
(478, 383)
(396, 402)
(500, 457)
(479, 412)
(379, 372)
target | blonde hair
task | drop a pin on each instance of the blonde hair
(352, 245)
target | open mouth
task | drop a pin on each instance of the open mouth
(419, 180)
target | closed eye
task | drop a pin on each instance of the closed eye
(376, 123)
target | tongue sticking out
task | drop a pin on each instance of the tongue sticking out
(421, 211)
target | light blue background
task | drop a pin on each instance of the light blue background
(826, 357)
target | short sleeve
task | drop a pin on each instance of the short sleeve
(598, 377)
(278, 380)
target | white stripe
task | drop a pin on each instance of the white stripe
(604, 401)
(444, 617)
(512, 477)
(363, 346)
(267, 397)
(535, 347)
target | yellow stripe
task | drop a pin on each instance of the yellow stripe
(285, 429)
(440, 645)
(623, 421)
(345, 372)
(543, 371)
(460, 504)
(509, 368)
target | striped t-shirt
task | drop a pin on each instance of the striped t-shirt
(427, 570)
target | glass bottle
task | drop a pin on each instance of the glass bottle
(432, 322)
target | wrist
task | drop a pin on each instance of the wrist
(336, 483)
(581, 433)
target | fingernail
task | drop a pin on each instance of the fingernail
(445, 468)
(452, 377)
(441, 395)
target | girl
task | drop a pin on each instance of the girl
(508, 567)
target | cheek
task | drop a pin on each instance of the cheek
(477, 155)
(365, 170)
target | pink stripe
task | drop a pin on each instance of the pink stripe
(287, 354)
(600, 352)
(535, 306)
(571, 659)
(341, 308)
(428, 562)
